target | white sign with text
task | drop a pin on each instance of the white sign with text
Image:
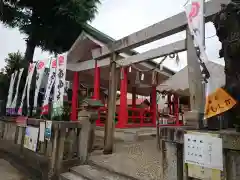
(203, 150)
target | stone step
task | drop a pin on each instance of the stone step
(70, 176)
(94, 173)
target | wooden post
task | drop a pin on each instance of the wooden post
(197, 97)
(109, 132)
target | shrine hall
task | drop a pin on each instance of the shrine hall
(82, 68)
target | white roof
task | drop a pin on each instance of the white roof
(179, 82)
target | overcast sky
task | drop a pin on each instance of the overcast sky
(118, 18)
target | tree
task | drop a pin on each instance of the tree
(14, 62)
(52, 25)
(227, 24)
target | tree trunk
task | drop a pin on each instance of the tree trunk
(31, 41)
(232, 86)
(227, 26)
(31, 45)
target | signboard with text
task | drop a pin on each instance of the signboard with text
(218, 102)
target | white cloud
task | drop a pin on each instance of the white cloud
(119, 18)
(12, 41)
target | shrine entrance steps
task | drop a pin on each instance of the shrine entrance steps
(136, 160)
(91, 172)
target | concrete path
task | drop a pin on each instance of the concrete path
(8, 172)
(140, 160)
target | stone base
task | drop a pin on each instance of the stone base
(129, 134)
(192, 119)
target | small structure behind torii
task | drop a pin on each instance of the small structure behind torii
(109, 55)
(92, 74)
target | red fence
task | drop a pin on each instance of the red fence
(138, 117)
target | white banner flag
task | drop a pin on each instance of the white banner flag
(30, 72)
(59, 84)
(23, 97)
(39, 76)
(196, 24)
(10, 91)
(14, 103)
(195, 17)
(51, 81)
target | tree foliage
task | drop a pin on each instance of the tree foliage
(13, 62)
(52, 25)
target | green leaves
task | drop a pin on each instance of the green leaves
(54, 25)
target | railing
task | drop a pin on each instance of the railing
(170, 120)
(137, 117)
(68, 146)
(140, 117)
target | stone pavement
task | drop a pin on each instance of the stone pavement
(140, 160)
(8, 172)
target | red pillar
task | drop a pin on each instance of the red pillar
(134, 102)
(134, 97)
(123, 111)
(96, 94)
(169, 103)
(176, 109)
(154, 104)
(75, 96)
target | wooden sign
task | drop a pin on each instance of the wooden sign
(217, 103)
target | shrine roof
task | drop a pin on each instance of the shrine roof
(178, 83)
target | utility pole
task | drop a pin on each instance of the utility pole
(109, 124)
